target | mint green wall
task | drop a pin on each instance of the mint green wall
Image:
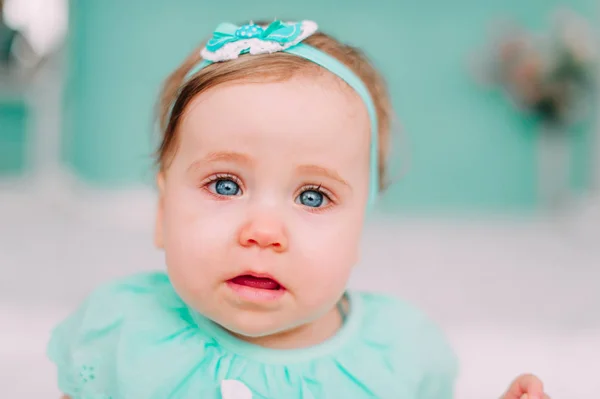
(13, 136)
(468, 148)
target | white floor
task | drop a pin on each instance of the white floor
(513, 296)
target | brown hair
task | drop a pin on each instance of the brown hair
(177, 94)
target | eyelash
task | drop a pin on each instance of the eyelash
(309, 187)
(318, 188)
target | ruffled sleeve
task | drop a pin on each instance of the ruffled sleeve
(440, 365)
(83, 342)
(100, 349)
(419, 354)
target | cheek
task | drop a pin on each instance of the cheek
(331, 248)
(197, 233)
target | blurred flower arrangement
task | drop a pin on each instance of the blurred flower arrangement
(551, 76)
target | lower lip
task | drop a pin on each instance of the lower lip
(256, 294)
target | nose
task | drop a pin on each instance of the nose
(264, 232)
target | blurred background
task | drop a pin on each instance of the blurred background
(492, 225)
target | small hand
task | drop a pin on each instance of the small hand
(526, 387)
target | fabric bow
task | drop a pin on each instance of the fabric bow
(229, 41)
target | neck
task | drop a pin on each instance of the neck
(304, 336)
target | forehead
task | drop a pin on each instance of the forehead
(304, 115)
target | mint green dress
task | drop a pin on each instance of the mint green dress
(136, 339)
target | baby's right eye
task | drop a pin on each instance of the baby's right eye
(224, 186)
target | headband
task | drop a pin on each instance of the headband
(229, 41)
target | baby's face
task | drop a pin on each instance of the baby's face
(262, 207)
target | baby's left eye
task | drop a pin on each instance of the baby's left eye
(312, 198)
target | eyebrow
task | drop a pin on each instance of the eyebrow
(321, 171)
(223, 156)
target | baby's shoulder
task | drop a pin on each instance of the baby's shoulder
(127, 287)
(124, 298)
(118, 320)
(392, 313)
(116, 304)
(408, 332)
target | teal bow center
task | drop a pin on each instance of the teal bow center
(277, 31)
(249, 31)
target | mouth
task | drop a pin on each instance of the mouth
(256, 287)
(260, 282)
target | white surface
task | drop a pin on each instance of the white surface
(513, 296)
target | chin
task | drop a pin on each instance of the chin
(256, 326)
(254, 329)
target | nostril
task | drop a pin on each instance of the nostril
(262, 238)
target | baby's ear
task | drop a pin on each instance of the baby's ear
(158, 228)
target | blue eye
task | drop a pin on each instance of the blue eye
(312, 198)
(226, 187)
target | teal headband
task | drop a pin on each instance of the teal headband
(229, 41)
